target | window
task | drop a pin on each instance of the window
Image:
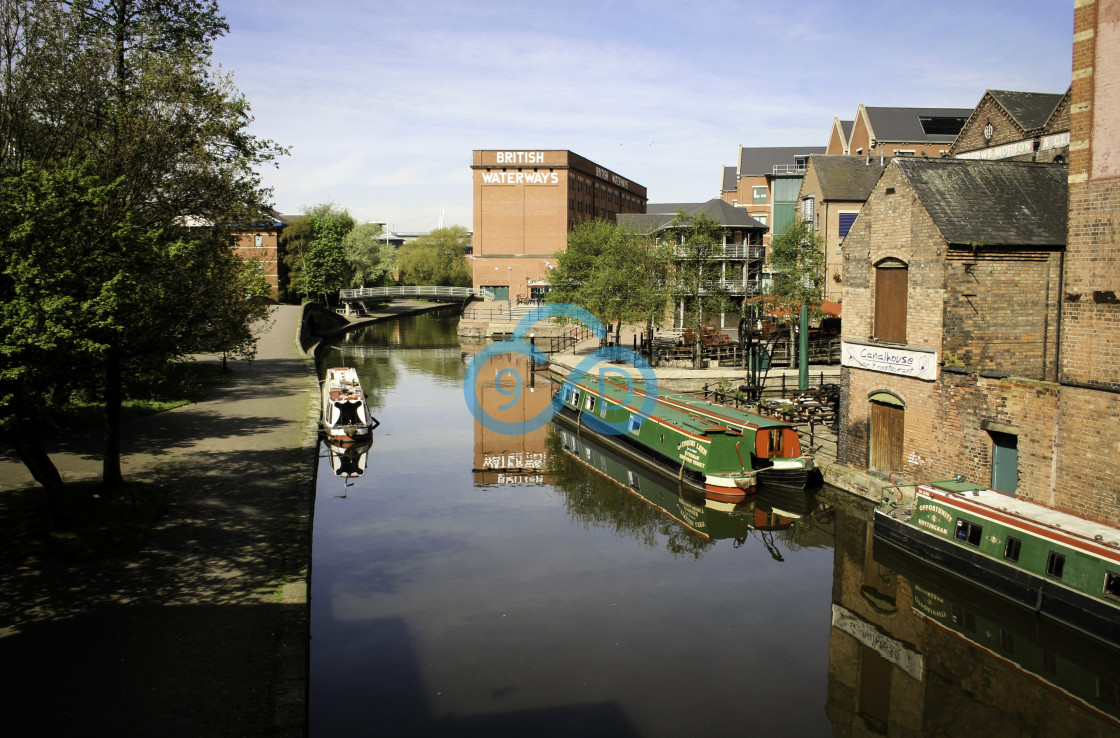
(891, 285)
(634, 424)
(1055, 564)
(969, 532)
(846, 220)
(761, 218)
(1112, 585)
(589, 403)
(575, 398)
(760, 194)
(807, 208)
(903, 152)
(1012, 549)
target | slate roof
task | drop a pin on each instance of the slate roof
(1029, 110)
(730, 179)
(659, 215)
(847, 178)
(756, 161)
(1005, 203)
(904, 125)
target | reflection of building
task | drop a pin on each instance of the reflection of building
(525, 202)
(913, 654)
(501, 458)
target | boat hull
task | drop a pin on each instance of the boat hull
(1043, 596)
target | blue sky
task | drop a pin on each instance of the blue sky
(382, 102)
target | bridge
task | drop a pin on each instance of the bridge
(429, 292)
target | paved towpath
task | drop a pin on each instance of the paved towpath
(204, 630)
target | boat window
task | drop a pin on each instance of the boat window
(1112, 585)
(632, 480)
(575, 398)
(1055, 564)
(1011, 550)
(567, 393)
(635, 423)
(589, 403)
(969, 533)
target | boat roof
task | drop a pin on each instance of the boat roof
(694, 414)
(1033, 511)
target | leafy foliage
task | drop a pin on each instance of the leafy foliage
(437, 258)
(324, 264)
(121, 157)
(296, 237)
(371, 258)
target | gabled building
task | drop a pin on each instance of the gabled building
(839, 137)
(886, 132)
(832, 193)
(952, 282)
(740, 262)
(766, 181)
(1023, 126)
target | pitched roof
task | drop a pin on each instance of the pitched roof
(1029, 110)
(730, 180)
(762, 160)
(658, 216)
(847, 178)
(904, 125)
(1008, 203)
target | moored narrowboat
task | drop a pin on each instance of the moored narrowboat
(346, 418)
(718, 450)
(1060, 565)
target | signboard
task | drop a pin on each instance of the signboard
(1006, 151)
(876, 357)
(893, 650)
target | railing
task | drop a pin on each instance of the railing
(747, 252)
(789, 169)
(458, 293)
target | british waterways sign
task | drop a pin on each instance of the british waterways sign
(876, 357)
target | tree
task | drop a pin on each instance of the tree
(613, 271)
(324, 264)
(696, 284)
(372, 259)
(797, 265)
(122, 157)
(297, 235)
(437, 258)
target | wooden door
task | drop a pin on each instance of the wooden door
(887, 427)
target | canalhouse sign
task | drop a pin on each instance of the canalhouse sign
(877, 357)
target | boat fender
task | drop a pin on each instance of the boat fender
(680, 476)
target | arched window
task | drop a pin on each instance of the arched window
(891, 285)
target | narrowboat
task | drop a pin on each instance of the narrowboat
(708, 519)
(718, 450)
(346, 417)
(348, 460)
(1062, 566)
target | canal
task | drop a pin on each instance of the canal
(474, 583)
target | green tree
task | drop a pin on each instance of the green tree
(115, 132)
(325, 270)
(613, 271)
(697, 239)
(437, 258)
(372, 259)
(797, 266)
(296, 237)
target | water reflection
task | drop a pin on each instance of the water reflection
(473, 583)
(917, 652)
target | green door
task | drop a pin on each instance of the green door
(501, 292)
(1005, 462)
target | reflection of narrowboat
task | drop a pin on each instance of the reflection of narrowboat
(1066, 661)
(719, 450)
(346, 417)
(348, 461)
(709, 519)
(1060, 565)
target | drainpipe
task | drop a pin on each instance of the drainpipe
(803, 359)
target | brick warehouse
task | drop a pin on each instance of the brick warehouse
(525, 202)
(1014, 322)
(950, 322)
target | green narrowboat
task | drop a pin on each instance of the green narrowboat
(1062, 566)
(718, 450)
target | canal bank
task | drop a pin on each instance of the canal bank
(203, 629)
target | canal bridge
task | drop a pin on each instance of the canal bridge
(355, 299)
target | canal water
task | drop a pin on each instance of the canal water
(473, 583)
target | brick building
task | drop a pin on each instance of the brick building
(951, 280)
(832, 193)
(1089, 369)
(525, 202)
(1022, 126)
(885, 131)
(766, 181)
(260, 242)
